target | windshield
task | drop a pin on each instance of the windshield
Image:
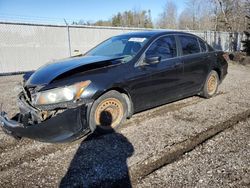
(127, 46)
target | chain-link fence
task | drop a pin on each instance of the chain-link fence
(25, 47)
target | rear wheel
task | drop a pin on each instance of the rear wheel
(211, 86)
(108, 112)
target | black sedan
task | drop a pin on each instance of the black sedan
(126, 74)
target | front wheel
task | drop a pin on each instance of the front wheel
(211, 85)
(108, 112)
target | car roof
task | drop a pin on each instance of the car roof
(152, 33)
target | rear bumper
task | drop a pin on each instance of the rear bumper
(68, 125)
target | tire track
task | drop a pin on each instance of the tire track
(165, 109)
(26, 154)
(164, 157)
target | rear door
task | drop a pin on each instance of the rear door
(195, 61)
(166, 77)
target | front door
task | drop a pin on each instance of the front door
(162, 82)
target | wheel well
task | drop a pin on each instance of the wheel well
(218, 72)
(127, 97)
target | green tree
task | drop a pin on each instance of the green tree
(117, 20)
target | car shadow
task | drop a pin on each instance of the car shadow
(100, 161)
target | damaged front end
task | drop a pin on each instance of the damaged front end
(55, 100)
(58, 122)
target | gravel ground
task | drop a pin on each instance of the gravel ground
(223, 161)
(115, 159)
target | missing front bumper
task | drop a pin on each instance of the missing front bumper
(66, 126)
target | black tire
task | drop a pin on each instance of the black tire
(211, 85)
(108, 112)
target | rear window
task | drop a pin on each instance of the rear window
(189, 45)
(210, 49)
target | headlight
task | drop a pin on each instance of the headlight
(63, 94)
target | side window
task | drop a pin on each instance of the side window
(164, 47)
(203, 46)
(189, 45)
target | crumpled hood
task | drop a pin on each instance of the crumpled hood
(49, 72)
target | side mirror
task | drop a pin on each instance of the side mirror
(152, 60)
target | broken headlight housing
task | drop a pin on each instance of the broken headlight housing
(62, 94)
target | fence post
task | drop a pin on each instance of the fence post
(68, 32)
(1, 67)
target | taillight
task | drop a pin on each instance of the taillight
(226, 56)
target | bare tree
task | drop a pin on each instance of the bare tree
(185, 20)
(218, 15)
(193, 8)
(167, 19)
(196, 16)
(200, 12)
(229, 15)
